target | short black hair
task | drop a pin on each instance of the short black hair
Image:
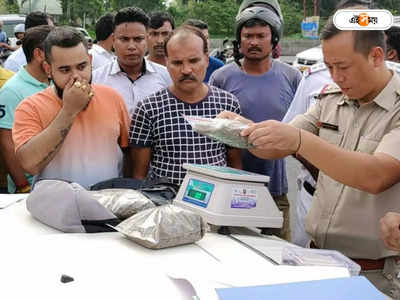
(158, 18)
(187, 30)
(197, 23)
(64, 37)
(393, 38)
(131, 15)
(36, 18)
(34, 38)
(104, 27)
(364, 40)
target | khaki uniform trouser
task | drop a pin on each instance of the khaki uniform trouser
(386, 280)
(283, 204)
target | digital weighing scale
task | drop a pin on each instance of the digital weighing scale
(225, 196)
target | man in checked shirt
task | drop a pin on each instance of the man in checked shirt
(160, 139)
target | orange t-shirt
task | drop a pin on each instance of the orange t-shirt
(91, 151)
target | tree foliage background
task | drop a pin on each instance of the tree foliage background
(219, 14)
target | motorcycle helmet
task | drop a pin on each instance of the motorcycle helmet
(19, 28)
(264, 14)
(271, 4)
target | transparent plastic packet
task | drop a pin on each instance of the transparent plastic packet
(297, 256)
(164, 226)
(123, 203)
(223, 130)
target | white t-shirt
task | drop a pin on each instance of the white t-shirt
(16, 60)
(100, 56)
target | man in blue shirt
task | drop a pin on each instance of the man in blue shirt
(27, 81)
(213, 63)
(265, 89)
(3, 37)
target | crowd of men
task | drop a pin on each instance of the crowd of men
(117, 110)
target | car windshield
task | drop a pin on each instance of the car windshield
(8, 27)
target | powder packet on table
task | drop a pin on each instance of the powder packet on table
(164, 226)
(223, 130)
(123, 203)
(297, 256)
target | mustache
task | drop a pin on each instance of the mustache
(187, 77)
(255, 48)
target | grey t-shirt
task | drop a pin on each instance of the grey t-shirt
(262, 97)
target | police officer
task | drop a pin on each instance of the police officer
(351, 135)
(315, 79)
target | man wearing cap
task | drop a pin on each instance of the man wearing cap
(351, 135)
(73, 130)
(27, 81)
(264, 87)
(17, 59)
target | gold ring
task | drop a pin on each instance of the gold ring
(83, 87)
(91, 94)
(77, 84)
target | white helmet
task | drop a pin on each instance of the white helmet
(19, 28)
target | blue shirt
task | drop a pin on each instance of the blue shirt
(262, 97)
(16, 89)
(214, 64)
(3, 39)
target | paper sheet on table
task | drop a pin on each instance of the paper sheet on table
(357, 287)
(9, 199)
(204, 281)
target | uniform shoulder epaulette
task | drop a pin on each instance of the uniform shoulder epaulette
(393, 66)
(315, 68)
(329, 89)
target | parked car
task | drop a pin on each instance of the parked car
(307, 58)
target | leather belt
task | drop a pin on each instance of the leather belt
(309, 188)
(365, 264)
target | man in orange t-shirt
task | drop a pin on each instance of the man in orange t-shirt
(73, 130)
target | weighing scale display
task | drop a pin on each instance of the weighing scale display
(198, 192)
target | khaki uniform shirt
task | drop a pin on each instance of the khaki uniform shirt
(341, 217)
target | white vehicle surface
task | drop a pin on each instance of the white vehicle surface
(307, 58)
